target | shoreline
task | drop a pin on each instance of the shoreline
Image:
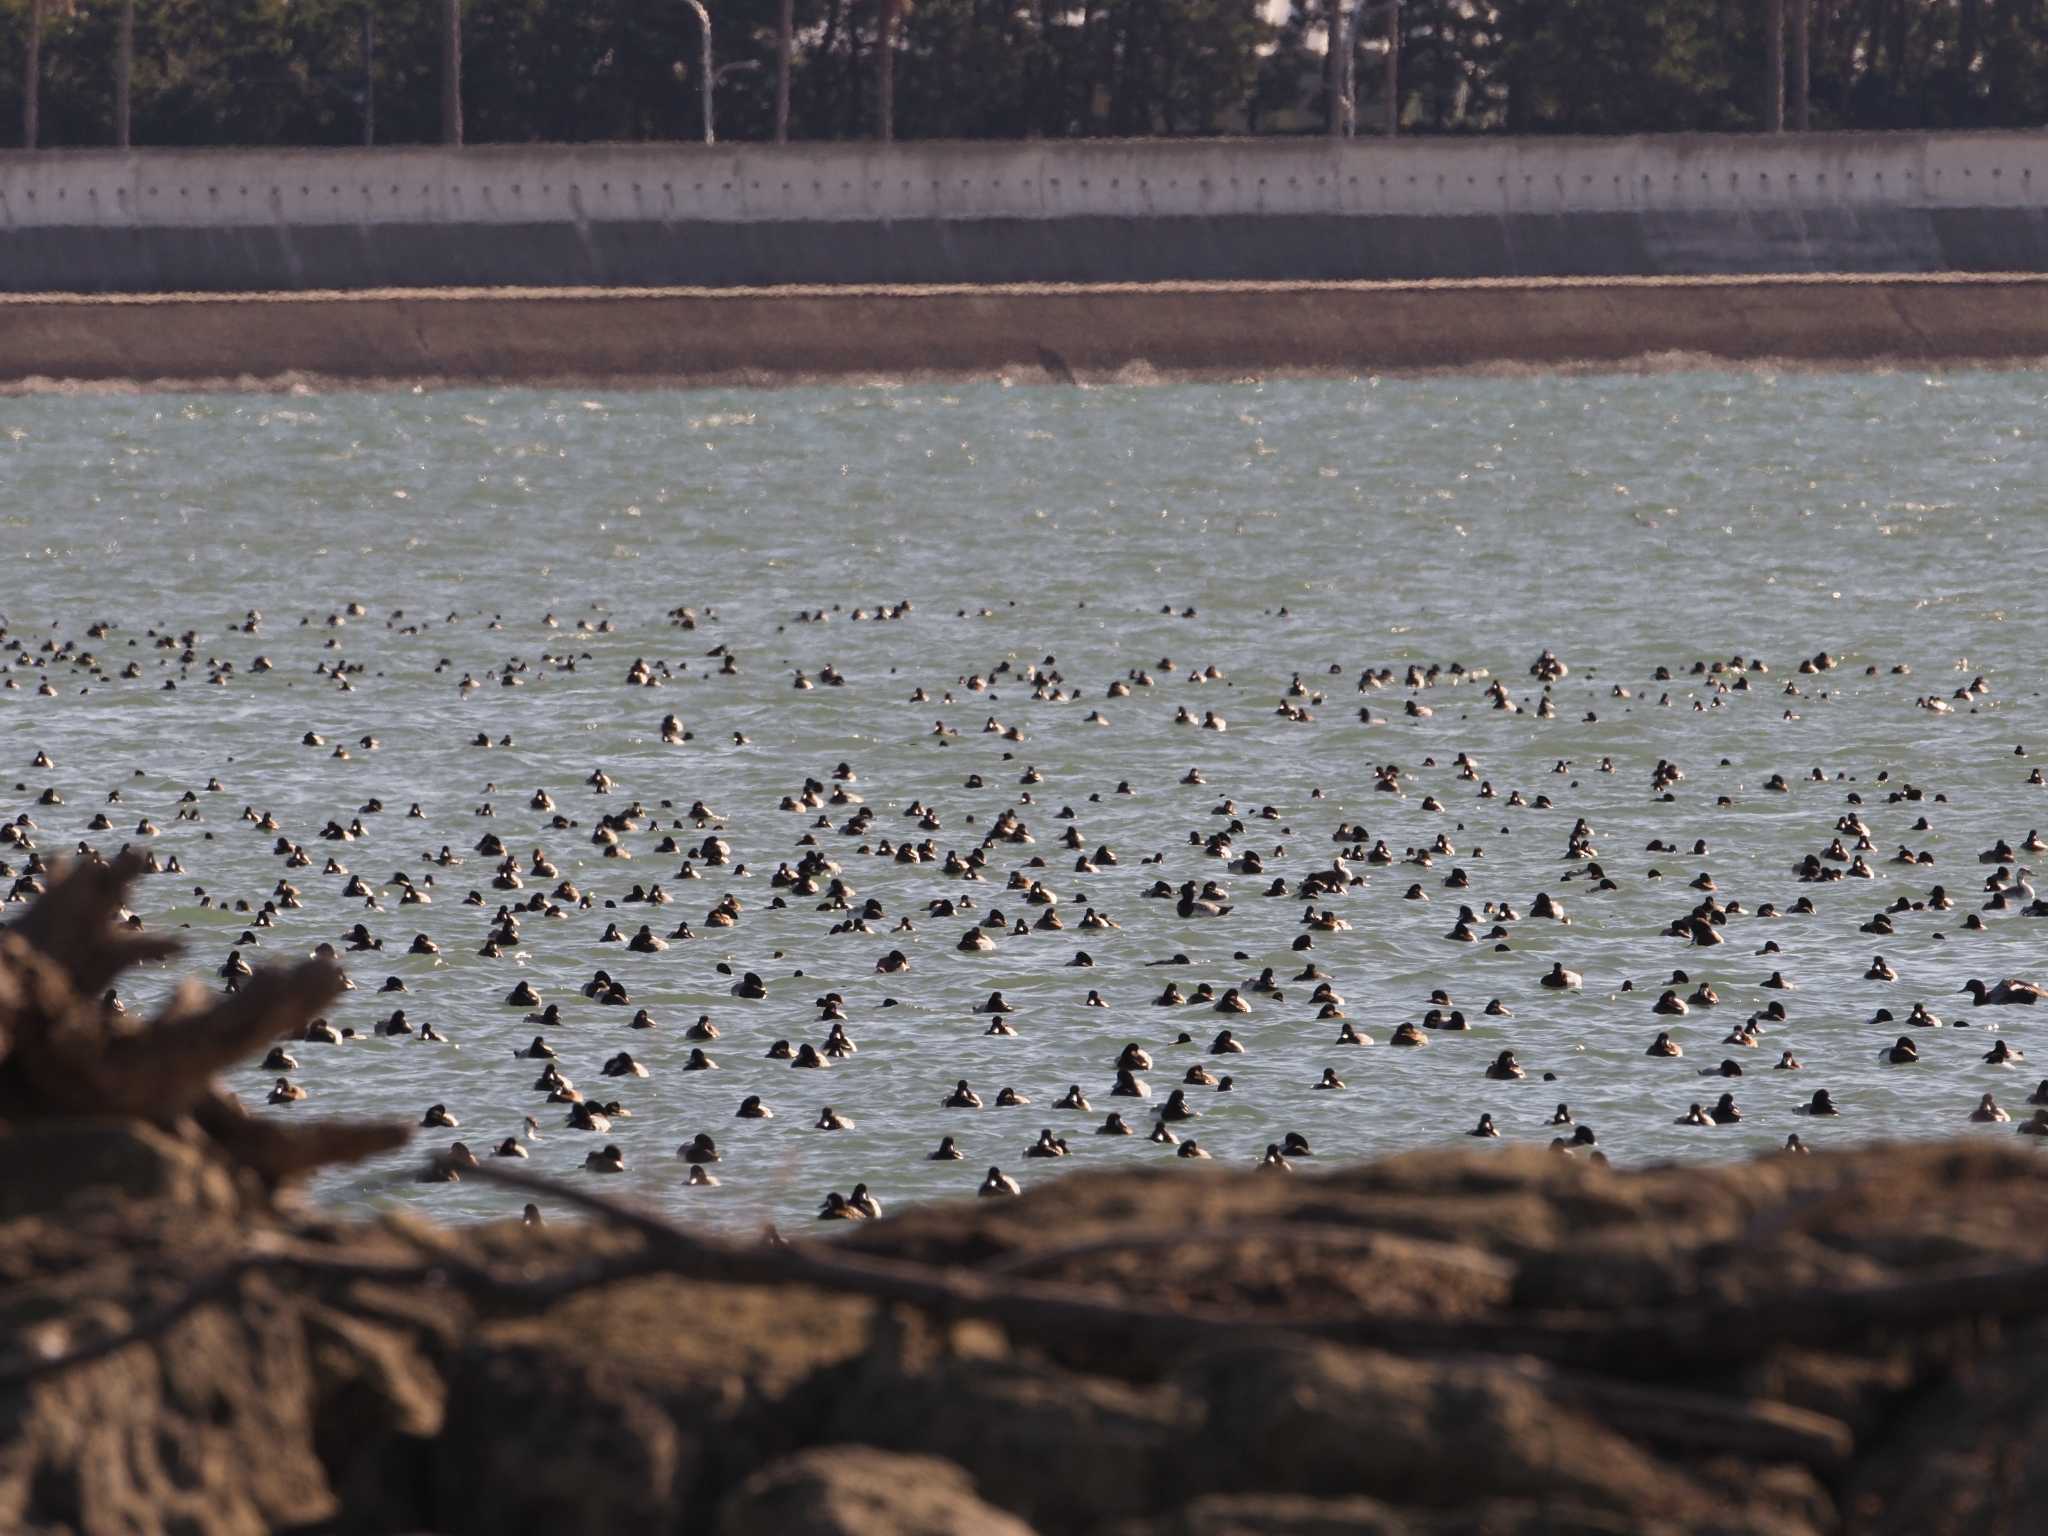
(1127, 334)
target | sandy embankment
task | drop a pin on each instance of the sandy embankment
(686, 336)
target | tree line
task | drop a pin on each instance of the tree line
(333, 72)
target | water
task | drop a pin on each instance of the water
(1624, 522)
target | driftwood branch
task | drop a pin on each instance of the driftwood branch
(1814, 1317)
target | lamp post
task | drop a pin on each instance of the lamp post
(708, 76)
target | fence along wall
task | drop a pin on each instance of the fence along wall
(651, 215)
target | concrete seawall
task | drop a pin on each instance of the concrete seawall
(704, 336)
(1084, 212)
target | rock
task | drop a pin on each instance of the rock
(1966, 1458)
(635, 1405)
(558, 1441)
(47, 1166)
(1275, 1514)
(378, 1408)
(856, 1490)
(1325, 1420)
(1063, 1450)
(1281, 1514)
(205, 1432)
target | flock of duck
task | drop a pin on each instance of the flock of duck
(560, 919)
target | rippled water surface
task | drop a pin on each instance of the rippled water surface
(1315, 529)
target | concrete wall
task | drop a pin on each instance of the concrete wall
(1270, 210)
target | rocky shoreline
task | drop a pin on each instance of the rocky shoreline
(1431, 1344)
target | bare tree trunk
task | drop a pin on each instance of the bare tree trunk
(885, 73)
(1392, 86)
(124, 70)
(451, 71)
(1036, 75)
(1774, 66)
(1802, 62)
(369, 76)
(32, 75)
(1333, 66)
(785, 29)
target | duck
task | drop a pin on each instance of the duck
(1047, 1145)
(1987, 1112)
(1505, 1069)
(1559, 979)
(2005, 994)
(998, 1184)
(607, 1159)
(962, 1097)
(1820, 1104)
(1664, 1045)
(1485, 1128)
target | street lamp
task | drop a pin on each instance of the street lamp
(709, 76)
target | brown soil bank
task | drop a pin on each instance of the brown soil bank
(705, 336)
(1450, 1342)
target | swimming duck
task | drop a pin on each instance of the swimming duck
(1047, 1145)
(998, 1183)
(2008, 993)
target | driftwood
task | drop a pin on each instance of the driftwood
(65, 1053)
